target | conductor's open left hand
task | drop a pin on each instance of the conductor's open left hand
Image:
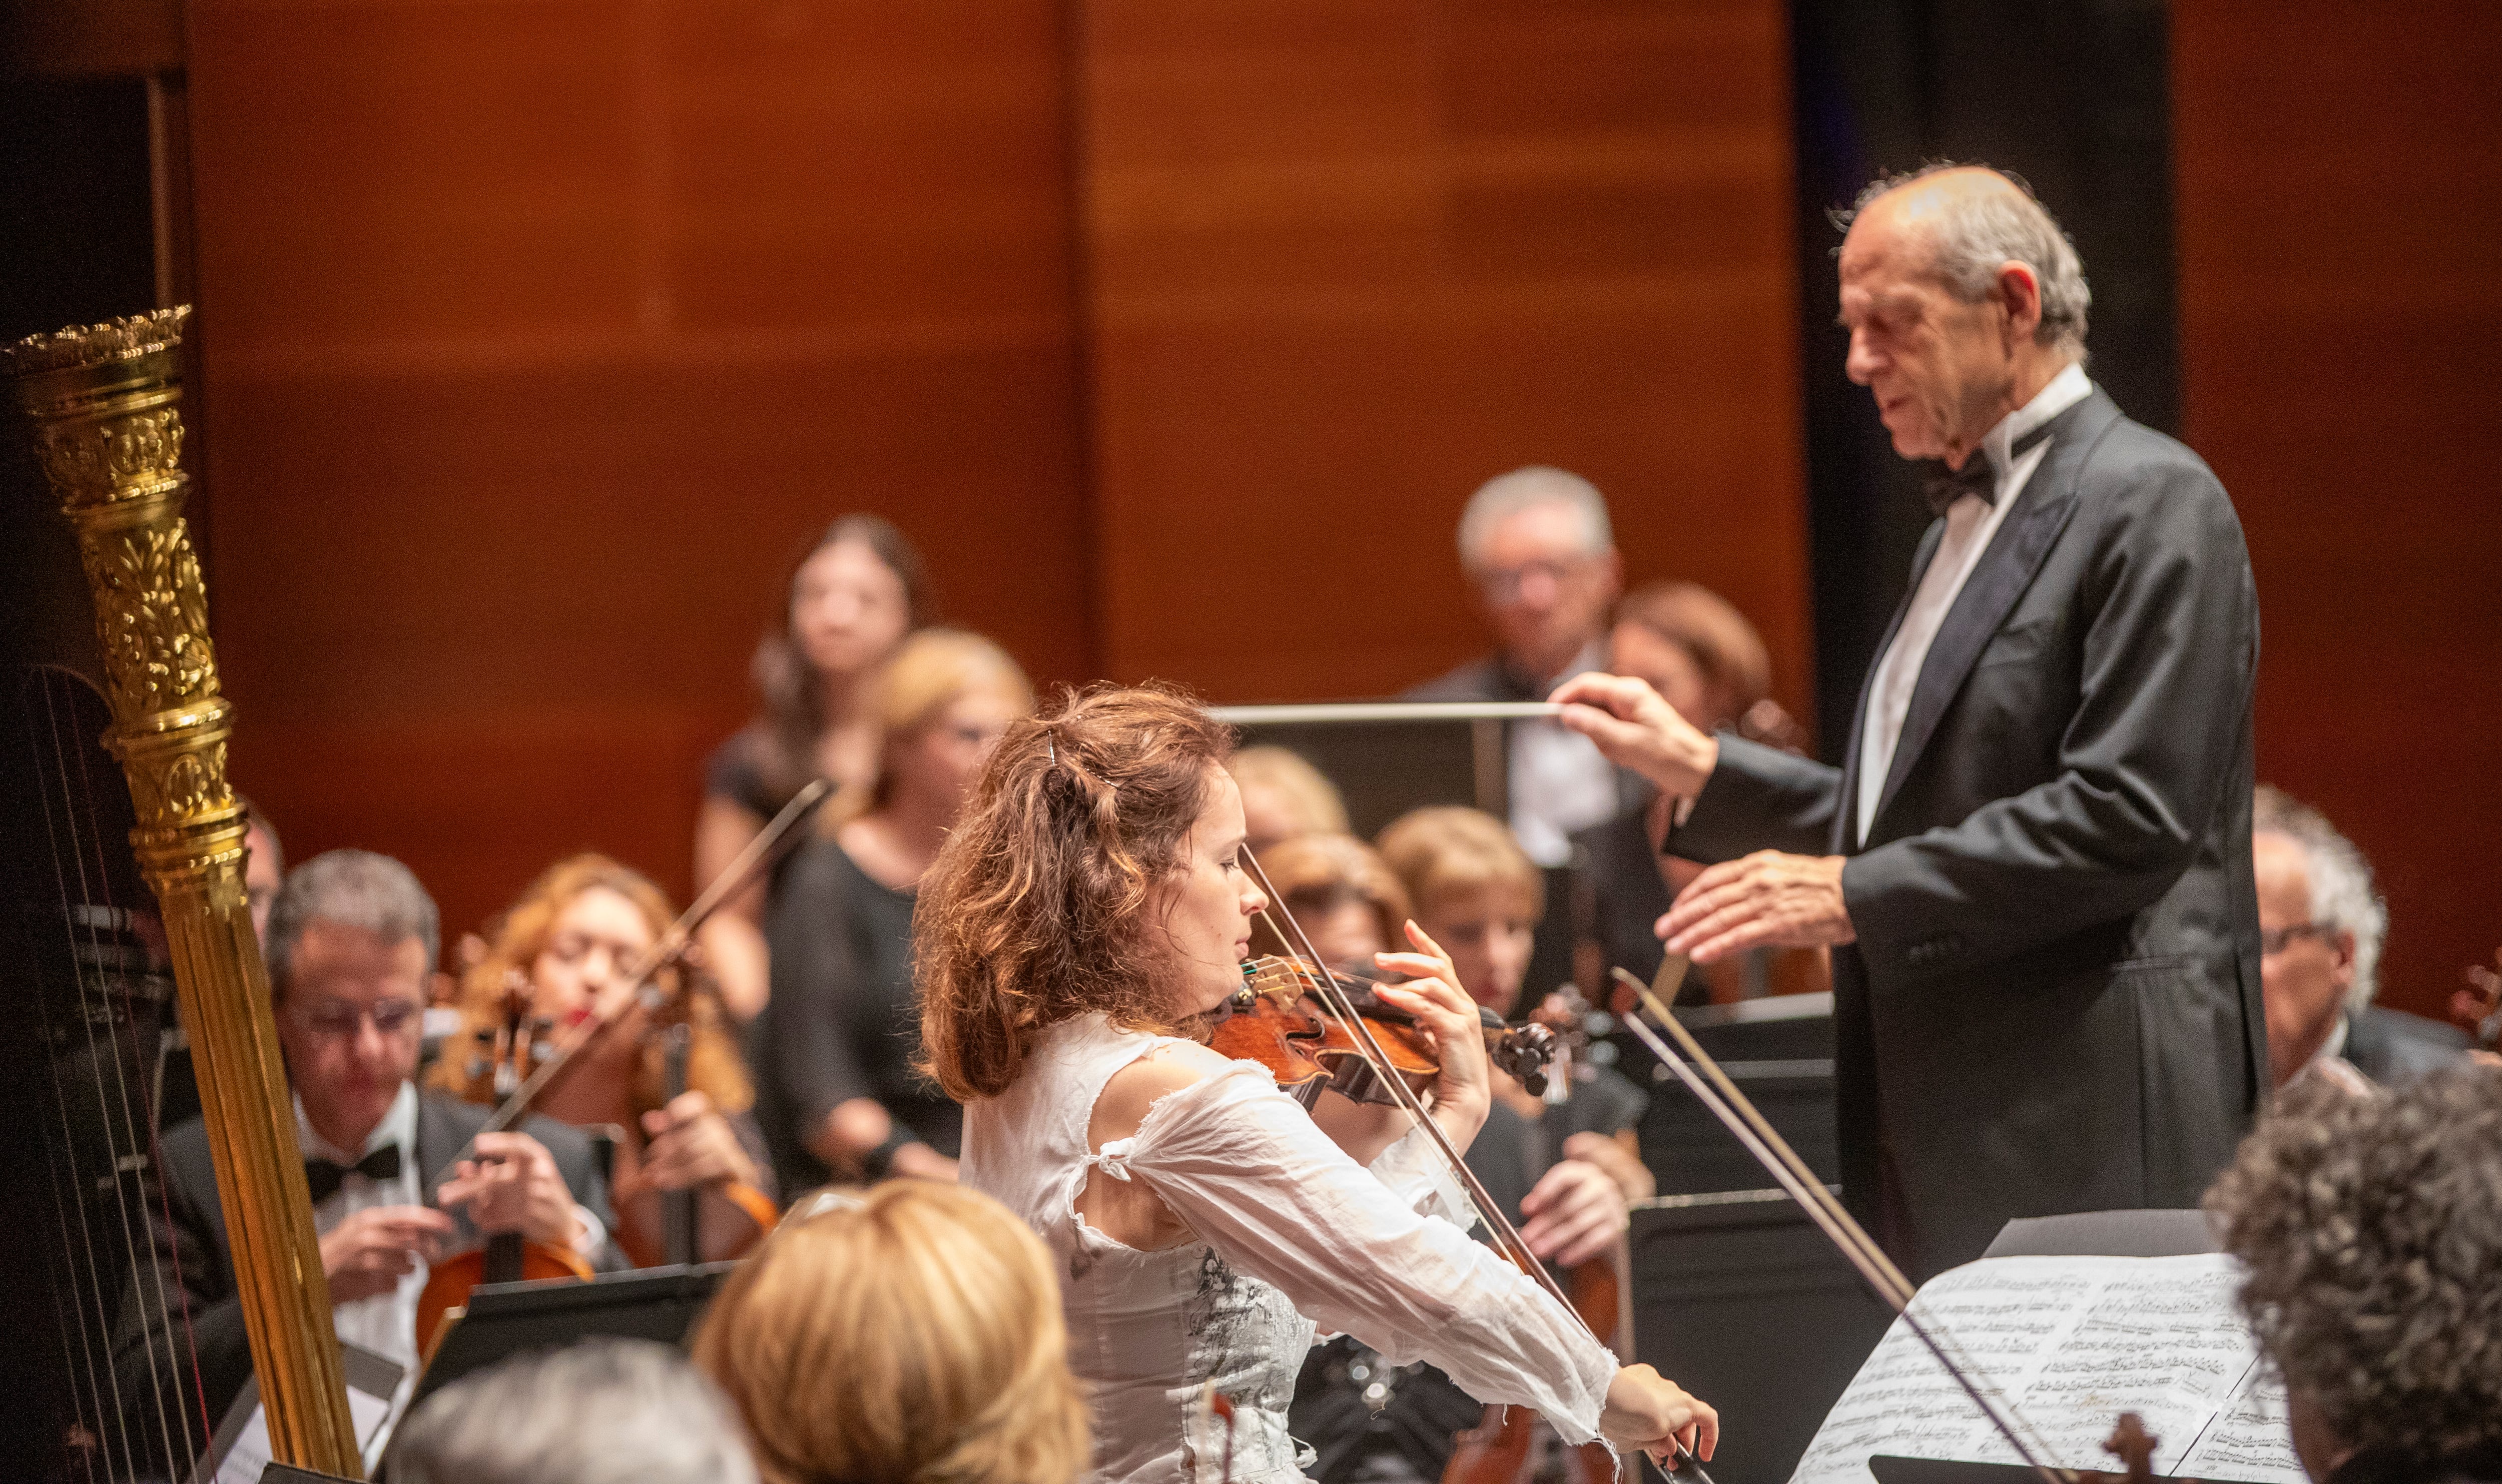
(1768, 899)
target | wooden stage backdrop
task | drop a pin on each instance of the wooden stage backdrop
(539, 334)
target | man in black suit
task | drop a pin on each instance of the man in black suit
(352, 940)
(2320, 930)
(2034, 866)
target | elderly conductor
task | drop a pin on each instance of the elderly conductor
(2034, 866)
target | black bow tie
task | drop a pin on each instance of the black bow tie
(324, 1177)
(1977, 477)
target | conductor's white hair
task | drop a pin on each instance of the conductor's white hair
(1507, 494)
(2341, 895)
(605, 1411)
(1980, 233)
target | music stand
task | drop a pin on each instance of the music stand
(505, 1319)
(1894, 1468)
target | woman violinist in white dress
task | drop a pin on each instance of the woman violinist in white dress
(1087, 915)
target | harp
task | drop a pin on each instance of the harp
(89, 955)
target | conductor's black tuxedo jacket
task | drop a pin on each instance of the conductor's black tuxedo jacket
(2053, 1004)
(179, 1342)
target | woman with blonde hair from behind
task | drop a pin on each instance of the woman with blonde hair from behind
(909, 1333)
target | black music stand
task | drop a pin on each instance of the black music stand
(1894, 1468)
(289, 1473)
(506, 1319)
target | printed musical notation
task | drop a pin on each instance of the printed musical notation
(2069, 1343)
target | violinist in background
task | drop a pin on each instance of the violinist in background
(835, 1052)
(1707, 661)
(1556, 1168)
(1284, 797)
(2370, 1230)
(847, 605)
(551, 957)
(353, 940)
(1080, 927)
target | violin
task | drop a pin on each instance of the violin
(1282, 1019)
(1296, 1015)
(516, 1042)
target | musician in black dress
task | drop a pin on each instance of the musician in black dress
(837, 1091)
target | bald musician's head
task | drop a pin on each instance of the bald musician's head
(1963, 298)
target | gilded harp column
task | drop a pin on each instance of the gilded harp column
(108, 433)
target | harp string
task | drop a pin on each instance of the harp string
(132, 1148)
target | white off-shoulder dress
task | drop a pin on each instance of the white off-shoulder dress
(1289, 1233)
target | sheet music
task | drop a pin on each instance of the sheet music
(2074, 1341)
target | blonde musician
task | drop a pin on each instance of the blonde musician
(1086, 913)
(555, 953)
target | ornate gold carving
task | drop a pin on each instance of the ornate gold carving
(109, 438)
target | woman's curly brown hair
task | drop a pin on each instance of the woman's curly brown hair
(1036, 909)
(2372, 1231)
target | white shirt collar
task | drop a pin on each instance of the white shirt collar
(2064, 390)
(2333, 1047)
(399, 1127)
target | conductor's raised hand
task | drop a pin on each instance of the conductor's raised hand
(1645, 1409)
(1637, 728)
(1463, 1093)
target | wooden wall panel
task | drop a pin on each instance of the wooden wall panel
(1348, 258)
(539, 335)
(2338, 190)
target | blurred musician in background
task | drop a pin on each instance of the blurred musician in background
(1347, 898)
(2320, 928)
(265, 865)
(2035, 870)
(837, 1091)
(2370, 1233)
(353, 940)
(1537, 544)
(598, 1411)
(1283, 796)
(558, 951)
(1562, 1166)
(1704, 660)
(848, 603)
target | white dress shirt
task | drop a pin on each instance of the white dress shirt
(1559, 781)
(383, 1323)
(1969, 526)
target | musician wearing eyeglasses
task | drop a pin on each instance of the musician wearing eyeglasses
(1082, 924)
(351, 942)
(2320, 928)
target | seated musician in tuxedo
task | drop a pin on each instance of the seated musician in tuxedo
(352, 939)
(2320, 928)
(2370, 1229)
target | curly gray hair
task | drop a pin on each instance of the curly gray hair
(2371, 1229)
(1979, 233)
(2340, 883)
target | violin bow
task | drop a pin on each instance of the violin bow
(1507, 1236)
(770, 845)
(1712, 1087)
